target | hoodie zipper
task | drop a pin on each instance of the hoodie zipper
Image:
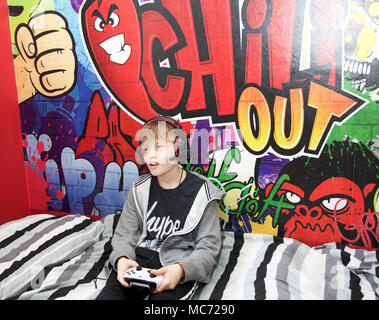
(185, 231)
(177, 233)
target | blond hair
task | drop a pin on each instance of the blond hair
(153, 129)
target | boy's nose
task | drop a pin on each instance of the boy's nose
(150, 154)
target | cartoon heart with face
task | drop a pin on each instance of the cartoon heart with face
(111, 30)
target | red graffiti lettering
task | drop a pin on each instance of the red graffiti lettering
(208, 55)
(102, 134)
(160, 38)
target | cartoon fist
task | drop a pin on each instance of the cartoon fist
(47, 61)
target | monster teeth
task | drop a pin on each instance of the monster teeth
(118, 51)
(358, 67)
(355, 69)
(359, 84)
(364, 68)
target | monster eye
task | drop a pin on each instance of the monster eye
(99, 24)
(292, 197)
(335, 204)
(113, 19)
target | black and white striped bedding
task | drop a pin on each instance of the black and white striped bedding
(251, 266)
(254, 266)
(31, 247)
(80, 278)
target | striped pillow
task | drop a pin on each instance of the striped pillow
(29, 245)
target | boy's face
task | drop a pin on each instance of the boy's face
(157, 154)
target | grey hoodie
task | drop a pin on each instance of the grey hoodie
(197, 245)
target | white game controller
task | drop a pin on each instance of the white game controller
(142, 277)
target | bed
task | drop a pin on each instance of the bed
(47, 257)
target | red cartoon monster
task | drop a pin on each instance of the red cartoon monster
(333, 197)
(111, 29)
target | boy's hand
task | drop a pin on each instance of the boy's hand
(171, 276)
(124, 264)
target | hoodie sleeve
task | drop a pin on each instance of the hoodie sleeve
(200, 263)
(127, 232)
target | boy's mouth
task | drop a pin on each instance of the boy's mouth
(153, 164)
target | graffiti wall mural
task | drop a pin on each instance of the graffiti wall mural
(279, 99)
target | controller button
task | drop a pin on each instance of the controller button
(139, 268)
(152, 275)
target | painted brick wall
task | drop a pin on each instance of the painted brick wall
(13, 189)
(279, 100)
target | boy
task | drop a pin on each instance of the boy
(169, 222)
